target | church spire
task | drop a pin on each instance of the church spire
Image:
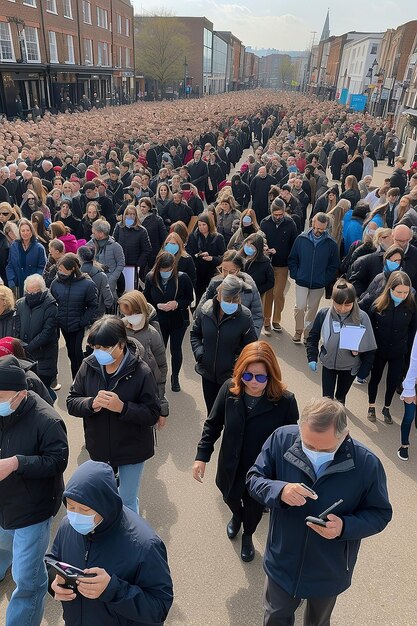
(326, 28)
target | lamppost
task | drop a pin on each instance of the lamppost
(20, 25)
(369, 75)
(185, 76)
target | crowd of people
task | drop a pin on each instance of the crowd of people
(122, 232)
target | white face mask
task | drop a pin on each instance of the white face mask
(135, 320)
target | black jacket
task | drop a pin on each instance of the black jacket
(8, 324)
(241, 194)
(71, 222)
(394, 329)
(214, 245)
(399, 179)
(4, 255)
(117, 438)
(33, 381)
(217, 343)
(177, 212)
(262, 273)
(281, 237)
(157, 233)
(244, 434)
(180, 290)
(198, 173)
(38, 328)
(36, 434)
(186, 264)
(365, 269)
(135, 243)
(77, 300)
(259, 188)
(140, 589)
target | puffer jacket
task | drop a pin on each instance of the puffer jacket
(77, 300)
(112, 259)
(135, 243)
(99, 278)
(8, 324)
(157, 233)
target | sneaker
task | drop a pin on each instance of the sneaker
(297, 337)
(267, 331)
(403, 453)
(371, 414)
(56, 386)
(387, 415)
(277, 327)
(360, 381)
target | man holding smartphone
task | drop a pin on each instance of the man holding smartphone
(302, 473)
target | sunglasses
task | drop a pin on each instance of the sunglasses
(260, 378)
(5, 214)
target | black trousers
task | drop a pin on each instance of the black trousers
(394, 377)
(247, 511)
(336, 379)
(74, 343)
(175, 337)
(210, 391)
(280, 607)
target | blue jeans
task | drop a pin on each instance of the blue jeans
(24, 549)
(129, 484)
(409, 412)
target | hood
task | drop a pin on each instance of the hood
(67, 237)
(27, 365)
(93, 484)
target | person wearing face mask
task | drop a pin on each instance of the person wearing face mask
(393, 318)
(37, 327)
(130, 581)
(303, 559)
(222, 327)
(115, 394)
(257, 264)
(170, 291)
(134, 240)
(154, 225)
(142, 324)
(77, 299)
(255, 397)
(34, 455)
(340, 365)
(364, 267)
(247, 226)
(174, 244)
(393, 260)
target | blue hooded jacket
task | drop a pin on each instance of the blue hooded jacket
(140, 590)
(314, 266)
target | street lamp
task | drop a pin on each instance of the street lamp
(185, 76)
(20, 25)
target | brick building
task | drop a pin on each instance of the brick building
(51, 49)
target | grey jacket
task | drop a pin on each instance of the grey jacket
(101, 281)
(112, 258)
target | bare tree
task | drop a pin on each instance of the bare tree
(287, 70)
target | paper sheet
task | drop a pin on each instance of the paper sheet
(350, 337)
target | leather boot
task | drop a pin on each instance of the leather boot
(247, 553)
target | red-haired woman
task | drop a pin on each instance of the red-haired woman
(249, 407)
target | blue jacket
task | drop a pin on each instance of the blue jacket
(313, 266)
(35, 262)
(140, 590)
(297, 559)
(353, 232)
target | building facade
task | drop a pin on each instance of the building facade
(358, 63)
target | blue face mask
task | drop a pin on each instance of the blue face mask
(129, 221)
(165, 275)
(316, 458)
(229, 307)
(248, 250)
(396, 300)
(6, 407)
(83, 524)
(391, 266)
(103, 357)
(172, 247)
(247, 220)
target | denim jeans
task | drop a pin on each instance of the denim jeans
(129, 484)
(24, 549)
(409, 412)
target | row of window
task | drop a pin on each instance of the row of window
(123, 24)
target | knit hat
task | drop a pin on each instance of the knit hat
(12, 376)
(6, 346)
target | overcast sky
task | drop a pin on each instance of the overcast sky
(288, 25)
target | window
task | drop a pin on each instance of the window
(30, 3)
(119, 24)
(127, 27)
(88, 52)
(128, 63)
(102, 18)
(70, 50)
(51, 6)
(119, 56)
(32, 44)
(6, 46)
(374, 48)
(53, 50)
(67, 9)
(103, 55)
(207, 51)
(86, 12)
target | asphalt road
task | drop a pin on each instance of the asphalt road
(213, 587)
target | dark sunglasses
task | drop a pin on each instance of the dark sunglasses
(6, 214)
(260, 378)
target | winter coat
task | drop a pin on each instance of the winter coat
(353, 195)
(198, 172)
(140, 590)
(157, 233)
(242, 195)
(217, 343)
(36, 434)
(38, 328)
(117, 438)
(180, 290)
(249, 297)
(262, 274)
(4, 255)
(259, 189)
(187, 266)
(237, 239)
(409, 218)
(365, 269)
(70, 243)
(244, 433)
(23, 263)
(71, 222)
(281, 237)
(394, 329)
(295, 553)
(135, 243)
(353, 232)
(314, 266)
(33, 382)
(8, 324)
(177, 212)
(399, 179)
(214, 245)
(112, 259)
(338, 159)
(99, 278)
(226, 223)
(77, 300)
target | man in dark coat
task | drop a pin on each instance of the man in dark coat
(197, 168)
(302, 471)
(338, 158)
(399, 175)
(259, 188)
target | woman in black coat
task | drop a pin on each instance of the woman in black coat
(155, 227)
(206, 246)
(215, 177)
(257, 264)
(174, 243)
(133, 238)
(248, 408)
(171, 293)
(77, 299)
(241, 192)
(37, 327)
(116, 395)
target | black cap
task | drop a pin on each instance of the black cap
(12, 376)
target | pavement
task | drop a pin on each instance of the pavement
(213, 587)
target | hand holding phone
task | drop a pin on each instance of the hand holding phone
(327, 525)
(67, 572)
(296, 494)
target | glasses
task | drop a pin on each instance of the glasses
(260, 378)
(5, 214)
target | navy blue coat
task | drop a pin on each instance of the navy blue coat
(297, 559)
(77, 300)
(313, 266)
(35, 262)
(140, 590)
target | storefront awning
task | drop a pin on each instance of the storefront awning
(410, 112)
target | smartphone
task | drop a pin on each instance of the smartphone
(68, 572)
(322, 518)
(313, 493)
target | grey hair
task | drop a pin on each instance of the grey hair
(101, 226)
(230, 287)
(323, 413)
(35, 279)
(322, 217)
